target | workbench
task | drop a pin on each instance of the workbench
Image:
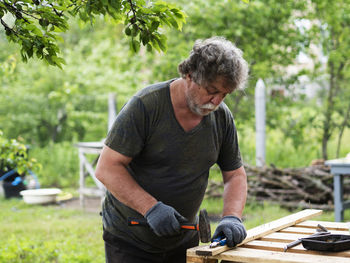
(266, 243)
(339, 168)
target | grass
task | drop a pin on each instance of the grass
(38, 234)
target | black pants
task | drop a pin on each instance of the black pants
(117, 251)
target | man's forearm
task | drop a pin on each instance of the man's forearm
(235, 192)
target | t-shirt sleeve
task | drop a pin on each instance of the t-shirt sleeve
(229, 156)
(128, 133)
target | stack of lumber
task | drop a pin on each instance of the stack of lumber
(307, 187)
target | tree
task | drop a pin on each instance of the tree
(330, 32)
(265, 30)
(45, 104)
(36, 24)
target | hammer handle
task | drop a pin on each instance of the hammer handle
(132, 221)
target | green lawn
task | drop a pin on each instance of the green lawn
(38, 234)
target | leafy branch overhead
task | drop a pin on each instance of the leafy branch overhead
(36, 24)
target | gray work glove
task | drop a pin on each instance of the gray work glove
(164, 220)
(232, 228)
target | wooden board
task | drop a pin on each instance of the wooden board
(330, 225)
(265, 254)
(241, 254)
(263, 230)
(279, 246)
(306, 230)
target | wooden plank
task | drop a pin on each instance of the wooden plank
(264, 229)
(190, 259)
(241, 254)
(299, 230)
(282, 237)
(278, 246)
(329, 225)
(308, 231)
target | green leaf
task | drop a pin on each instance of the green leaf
(174, 23)
(127, 31)
(144, 37)
(134, 31)
(155, 43)
(135, 45)
(154, 25)
(162, 43)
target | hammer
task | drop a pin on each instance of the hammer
(203, 226)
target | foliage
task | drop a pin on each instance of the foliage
(264, 30)
(61, 167)
(272, 33)
(49, 105)
(36, 25)
(45, 105)
(330, 33)
(14, 155)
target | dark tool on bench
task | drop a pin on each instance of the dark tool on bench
(321, 230)
(203, 226)
(329, 243)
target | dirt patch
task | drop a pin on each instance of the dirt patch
(91, 204)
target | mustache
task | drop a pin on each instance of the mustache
(209, 106)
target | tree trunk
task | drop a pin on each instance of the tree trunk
(328, 113)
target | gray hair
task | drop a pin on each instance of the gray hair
(216, 57)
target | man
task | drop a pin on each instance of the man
(156, 159)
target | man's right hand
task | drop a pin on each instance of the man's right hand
(164, 220)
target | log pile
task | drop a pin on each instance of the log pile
(307, 187)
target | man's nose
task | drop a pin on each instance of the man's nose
(217, 99)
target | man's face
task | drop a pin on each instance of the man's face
(203, 99)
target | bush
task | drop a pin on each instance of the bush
(14, 155)
(60, 165)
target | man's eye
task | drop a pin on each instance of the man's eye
(212, 92)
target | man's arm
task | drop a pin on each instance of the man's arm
(111, 171)
(235, 192)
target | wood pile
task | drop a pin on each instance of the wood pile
(307, 187)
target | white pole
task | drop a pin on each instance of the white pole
(112, 110)
(260, 116)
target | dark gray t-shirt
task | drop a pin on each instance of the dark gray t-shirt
(168, 162)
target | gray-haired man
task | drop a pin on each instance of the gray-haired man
(157, 157)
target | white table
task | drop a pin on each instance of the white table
(87, 169)
(339, 168)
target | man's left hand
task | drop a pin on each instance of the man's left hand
(232, 228)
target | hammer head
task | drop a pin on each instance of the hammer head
(204, 227)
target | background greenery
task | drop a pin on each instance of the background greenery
(51, 109)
